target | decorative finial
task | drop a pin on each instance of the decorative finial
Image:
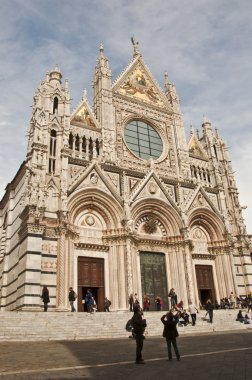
(166, 76)
(191, 130)
(136, 46)
(206, 120)
(57, 68)
(84, 95)
(101, 48)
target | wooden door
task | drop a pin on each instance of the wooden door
(205, 282)
(91, 275)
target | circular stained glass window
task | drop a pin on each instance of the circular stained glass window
(143, 140)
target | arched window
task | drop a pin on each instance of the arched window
(55, 104)
(52, 151)
(70, 140)
(97, 147)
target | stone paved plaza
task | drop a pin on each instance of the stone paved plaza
(218, 356)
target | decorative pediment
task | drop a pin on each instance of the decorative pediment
(137, 82)
(196, 149)
(152, 187)
(93, 177)
(200, 199)
(84, 117)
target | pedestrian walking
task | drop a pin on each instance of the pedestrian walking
(171, 333)
(139, 325)
(72, 297)
(209, 309)
(193, 312)
(45, 297)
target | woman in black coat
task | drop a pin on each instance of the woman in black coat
(45, 297)
(171, 333)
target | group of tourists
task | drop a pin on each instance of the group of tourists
(88, 302)
(233, 302)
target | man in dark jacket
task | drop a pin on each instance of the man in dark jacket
(72, 298)
(138, 324)
(171, 333)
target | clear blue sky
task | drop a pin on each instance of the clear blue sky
(204, 44)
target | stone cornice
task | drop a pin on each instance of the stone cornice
(94, 247)
(204, 257)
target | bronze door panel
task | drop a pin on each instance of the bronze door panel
(153, 277)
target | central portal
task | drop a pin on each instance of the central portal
(153, 278)
(91, 276)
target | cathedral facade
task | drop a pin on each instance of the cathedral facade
(112, 197)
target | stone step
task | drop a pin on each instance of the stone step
(35, 326)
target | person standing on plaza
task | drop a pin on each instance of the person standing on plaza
(146, 303)
(158, 303)
(89, 300)
(193, 310)
(72, 297)
(171, 333)
(107, 304)
(45, 297)
(174, 298)
(131, 301)
(232, 298)
(139, 325)
(209, 308)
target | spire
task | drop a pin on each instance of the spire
(102, 62)
(136, 47)
(168, 87)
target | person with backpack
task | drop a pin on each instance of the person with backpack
(72, 297)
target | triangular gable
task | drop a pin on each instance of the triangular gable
(83, 116)
(94, 177)
(138, 82)
(133, 183)
(195, 149)
(55, 120)
(200, 199)
(151, 186)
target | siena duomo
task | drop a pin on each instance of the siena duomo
(112, 197)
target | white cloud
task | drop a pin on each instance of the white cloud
(205, 46)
